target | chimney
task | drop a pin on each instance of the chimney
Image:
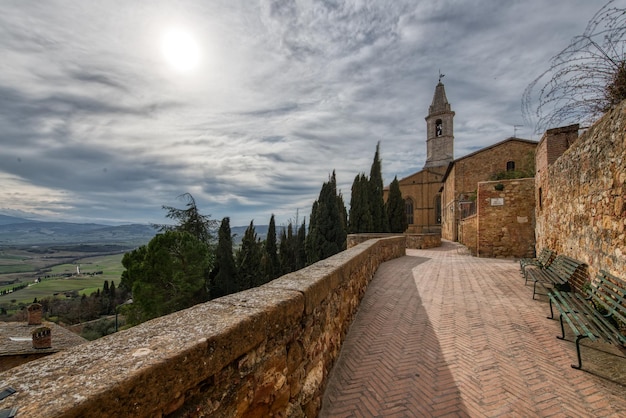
(34, 314)
(558, 140)
(42, 337)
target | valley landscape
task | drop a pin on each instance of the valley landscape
(68, 259)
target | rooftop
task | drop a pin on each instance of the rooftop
(16, 338)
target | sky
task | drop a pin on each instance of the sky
(111, 109)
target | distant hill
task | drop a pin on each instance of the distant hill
(30, 232)
(5, 220)
(22, 232)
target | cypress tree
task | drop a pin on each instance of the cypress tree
(301, 247)
(271, 263)
(327, 231)
(377, 203)
(312, 254)
(288, 249)
(112, 290)
(249, 259)
(225, 279)
(396, 208)
(360, 214)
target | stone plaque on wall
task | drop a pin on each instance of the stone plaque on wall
(497, 201)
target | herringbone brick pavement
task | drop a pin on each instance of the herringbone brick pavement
(442, 334)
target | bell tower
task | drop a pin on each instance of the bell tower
(439, 129)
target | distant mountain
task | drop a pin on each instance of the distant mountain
(16, 231)
(6, 220)
(49, 233)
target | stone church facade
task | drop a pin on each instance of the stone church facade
(435, 196)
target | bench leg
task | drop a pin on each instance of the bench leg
(580, 362)
(562, 337)
(552, 313)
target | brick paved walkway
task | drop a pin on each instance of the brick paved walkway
(441, 333)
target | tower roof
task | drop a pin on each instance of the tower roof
(440, 101)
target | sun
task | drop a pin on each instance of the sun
(180, 49)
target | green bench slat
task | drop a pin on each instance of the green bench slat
(581, 312)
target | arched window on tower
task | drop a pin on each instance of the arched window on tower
(510, 166)
(408, 205)
(438, 127)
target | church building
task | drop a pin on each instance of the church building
(436, 197)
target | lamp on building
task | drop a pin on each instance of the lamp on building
(128, 302)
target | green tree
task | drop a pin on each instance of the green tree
(288, 249)
(360, 213)
(249, 259)
(171, 274)
(301, 247)
(270, 262)
(189, 220)
(133, 263)
(312, 239)
(225, 272)
(395, 208)
(376, 200)
(327, 230)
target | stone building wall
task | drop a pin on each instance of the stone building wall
(262, 352)
(461, 181)
(423, 189)
(449, 207)
(581, 210)
(468, 230)
(506, 218)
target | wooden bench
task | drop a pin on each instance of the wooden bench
(596, 315)
(545, 257)
(555, 275)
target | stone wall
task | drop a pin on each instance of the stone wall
(468, 230)
(355, 239)
(581, 210)
(423, 241)
(506, 218)
(262, 352)
(461, 180)
(413, 241)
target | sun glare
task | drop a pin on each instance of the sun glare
(180, 49)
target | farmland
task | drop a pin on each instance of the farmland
(57, 272)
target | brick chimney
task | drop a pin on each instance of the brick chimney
(42, 337)
(34, 314)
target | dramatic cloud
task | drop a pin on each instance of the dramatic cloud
(96, 125)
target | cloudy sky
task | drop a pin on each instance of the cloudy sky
(111, 109)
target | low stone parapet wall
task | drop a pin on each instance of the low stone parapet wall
(413, 241)
(265, 351)
(423, 241)
(356, 239)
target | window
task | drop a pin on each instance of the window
(438, 209)
(408, 205)
(510, 166)
(438, 127)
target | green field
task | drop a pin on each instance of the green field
(110, 265)
(16, 268)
